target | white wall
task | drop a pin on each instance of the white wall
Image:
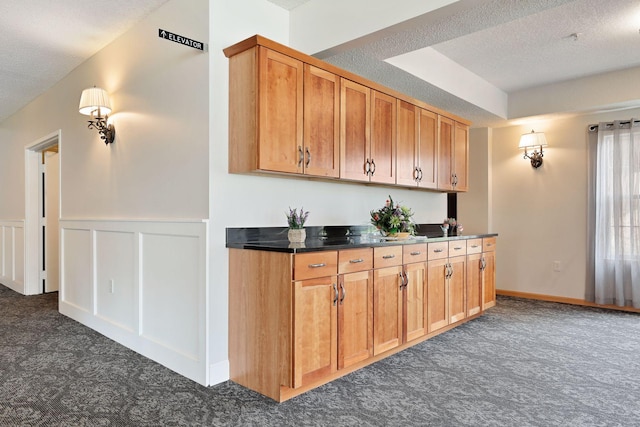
(251, 201)
(127, 209)
(540, 214)
(474, 206)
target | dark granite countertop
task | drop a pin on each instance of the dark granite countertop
(330, 238)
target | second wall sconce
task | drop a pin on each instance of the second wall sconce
(531, 142)
(94, 102)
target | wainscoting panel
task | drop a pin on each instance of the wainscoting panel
(116, 297)
(12, 255)
(147, 287)
(76, 268)
(170, 292)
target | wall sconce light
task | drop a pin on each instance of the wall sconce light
(533, 141)
(94, 102)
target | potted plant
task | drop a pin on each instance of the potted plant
(393, 220)
(297, 233)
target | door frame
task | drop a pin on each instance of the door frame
(32, 229)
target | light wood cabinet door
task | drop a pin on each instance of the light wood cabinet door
(437, 295)
(457, 287)
(315, 338)
(280, 111)
(489, 280)
(355, 318)
(428, 149)
(387, 309)
(320, 155)
(461, 157)
(474, 284)
(407, 165)
(383, 138)
(415, 301)
(445, 153)
(355, 131)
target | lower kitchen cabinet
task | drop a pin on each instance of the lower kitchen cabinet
(355, 318)
(446, 283)
(387, 306)
(437, 295)
(415, 301)
(297, 321)
(315, 336)
(489, 272)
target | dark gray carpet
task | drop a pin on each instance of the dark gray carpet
(524, 363)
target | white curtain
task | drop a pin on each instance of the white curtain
(616, 214)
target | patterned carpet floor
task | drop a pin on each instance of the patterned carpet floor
(524, 363)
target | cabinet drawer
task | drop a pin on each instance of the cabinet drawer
(438, 250)
(457, 247)
(474, 246)
(489, 244)
(315, 264)
(387, 256)
(414, 253)
(353, 260)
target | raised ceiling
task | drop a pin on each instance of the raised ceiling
(503, 46)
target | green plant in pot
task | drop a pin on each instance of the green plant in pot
(297, 233)
(394, 220)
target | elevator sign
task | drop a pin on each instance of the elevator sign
(167, 35)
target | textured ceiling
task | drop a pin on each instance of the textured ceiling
(41, 41)
(512, 44)
(539, 49)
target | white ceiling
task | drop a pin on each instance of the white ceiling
(41, 42)
(509, 44)
(539, 49)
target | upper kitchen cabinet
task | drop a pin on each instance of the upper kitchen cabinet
(321, 122)
(293, 114)
(265, 112)
(355, 131)
(292, 126)
(461, 157)
(367, 134)
(383, 138)
(417, 146)
(453, 155)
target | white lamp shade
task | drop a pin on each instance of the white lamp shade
(93, 99)
(533, 139)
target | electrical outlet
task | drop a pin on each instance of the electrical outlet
(557, 266)
(111, 286)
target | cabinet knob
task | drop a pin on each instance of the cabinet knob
(308, 157)
(356, 261)
(388, 256)
(438, 250)
(416, 253)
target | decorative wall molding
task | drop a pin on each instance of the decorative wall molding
(12, 254)
(142, 283)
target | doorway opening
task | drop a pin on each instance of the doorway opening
(42, 227)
